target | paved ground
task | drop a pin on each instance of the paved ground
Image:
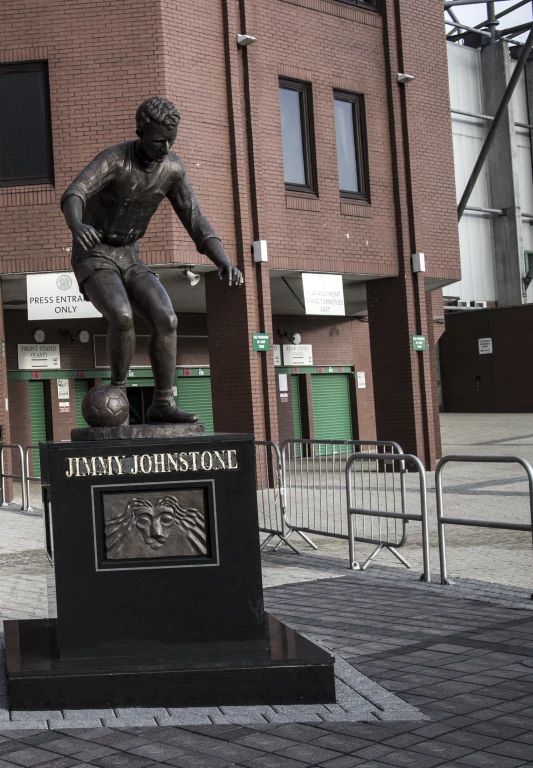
(427, 675)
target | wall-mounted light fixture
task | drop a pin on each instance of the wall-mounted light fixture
(403, 78)
(39, 336)
(81, 336)
(245, 40)
(191, 276)
(292, 338)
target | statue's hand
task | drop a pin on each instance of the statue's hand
(85, 235)
(234, 275)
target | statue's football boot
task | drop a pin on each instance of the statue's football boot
(165, 411)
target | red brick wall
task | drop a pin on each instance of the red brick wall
(62, 422)
(332, 46)
(76, 356)
(230, 141)
(416, 36)
(97, 80)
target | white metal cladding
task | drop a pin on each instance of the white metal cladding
(525, 170)
(475, 229)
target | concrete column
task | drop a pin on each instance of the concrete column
(504, 180)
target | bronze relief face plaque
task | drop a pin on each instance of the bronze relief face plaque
(154, 525)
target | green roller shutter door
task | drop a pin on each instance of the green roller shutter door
(331, 407)
(194, 395)
(296, 411)
(38, 421)
(80, 390)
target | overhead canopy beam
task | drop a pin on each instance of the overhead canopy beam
(506, 98)
(451, 3)
(513, 31)
(453, 37)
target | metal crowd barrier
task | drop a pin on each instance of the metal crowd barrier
(12, 446)
(271, 494)
(29, 477)
(442, 520)
(315, 490)
(355, 510)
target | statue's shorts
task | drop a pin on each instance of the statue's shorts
(124, 260)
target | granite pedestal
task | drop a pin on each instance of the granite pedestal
(155, 547)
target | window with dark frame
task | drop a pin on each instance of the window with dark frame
(25, 131)
(297, 136)
(350, 134)
(371, 4)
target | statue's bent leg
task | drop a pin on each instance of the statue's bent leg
(151, 302)
(105, 290)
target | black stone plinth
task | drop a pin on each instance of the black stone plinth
(155, 548)
(288, 670)
(136, 432)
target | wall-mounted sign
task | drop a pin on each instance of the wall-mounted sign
(261, 342)
(53, 295)
(419, 343)
(277, 354)
(361, 380)
(63, 392)
(283, 381)
(64, 407)
(323, 294)
(485, 346)
(298, 354)
(38, 356)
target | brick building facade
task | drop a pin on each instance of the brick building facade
(104, 58)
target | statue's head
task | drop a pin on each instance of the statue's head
(157, 127)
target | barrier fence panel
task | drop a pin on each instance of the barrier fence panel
(315, 489)
(21, 477)
(442, 520)
(271, 493)
(355, 468)
(29, 477)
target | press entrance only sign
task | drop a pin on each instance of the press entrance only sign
(53, 295)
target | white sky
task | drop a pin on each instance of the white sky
(476, 13)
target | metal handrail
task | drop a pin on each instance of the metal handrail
(442, 521)
(311, 527)
(14, 477)
(29, 477)
(278, 527)
(422, 517)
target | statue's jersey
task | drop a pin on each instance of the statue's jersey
(120, 196)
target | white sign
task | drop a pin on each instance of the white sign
(323, 294)
(63, 392)
(485, 346)
(277, 354)
(361, 380)
(38, 356)
(298, 354)
(283, 380)
(53, 295)
(64, 407)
